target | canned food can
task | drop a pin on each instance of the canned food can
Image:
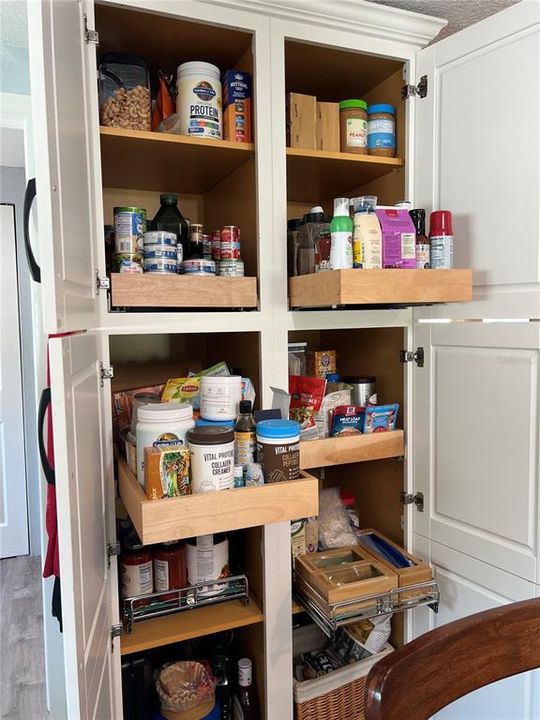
(199, 267)
(216, 245)
(128, 263)
(129, 228)
(196, 233)
(160, 237)
(230, 233)
(167, 252)
(207, 247)
(231, 268)
(160, 265)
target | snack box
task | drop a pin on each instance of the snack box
(347, 420)
(398, 238)
(380, 418)
(320, 363)
(166, 471)
(185, 390)
(237, 106)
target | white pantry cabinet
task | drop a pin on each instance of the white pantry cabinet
(456, 150)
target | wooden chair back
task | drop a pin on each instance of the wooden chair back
(429, 673)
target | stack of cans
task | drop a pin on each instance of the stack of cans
(226, 251)
(161, 252)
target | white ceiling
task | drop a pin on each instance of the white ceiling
(459, 13)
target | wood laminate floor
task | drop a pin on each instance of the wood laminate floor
(22, 663)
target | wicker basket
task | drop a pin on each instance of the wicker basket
(336, 696)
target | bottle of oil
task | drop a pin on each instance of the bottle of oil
(244, 435)
(246, 705)
(170, 219)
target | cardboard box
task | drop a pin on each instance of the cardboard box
(237, 106)
(328, 126)
(301, 121)
(320, 363)
(166, 471)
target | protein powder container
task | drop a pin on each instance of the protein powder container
(198, 99)
(364, 390)
(208, 559)
(278, 449)
(212, 458)
(220, 396)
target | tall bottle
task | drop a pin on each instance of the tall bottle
(341, 227)
(367, 235)
(169, 218)
(222, 667)
(244, 435)
(418, 216)
(246, 705)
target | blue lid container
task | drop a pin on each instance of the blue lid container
(214, 714)
(201, 422)
(333, 377)
(381, 108)
(278, 429)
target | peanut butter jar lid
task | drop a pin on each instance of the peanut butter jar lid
(346, 104)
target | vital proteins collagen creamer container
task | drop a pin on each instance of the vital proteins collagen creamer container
(198, 99)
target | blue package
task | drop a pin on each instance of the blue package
(380, 418)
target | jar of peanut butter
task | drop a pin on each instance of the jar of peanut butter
(381, 134)
(353, 126)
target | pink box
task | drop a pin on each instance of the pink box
(398, 238)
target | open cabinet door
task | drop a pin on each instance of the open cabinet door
(475, 460)
(477, 154)
(83, 491)
(65, 121)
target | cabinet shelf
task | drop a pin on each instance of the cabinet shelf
(319, 174)
(190, 624)
(148, 290)
(351, 449)
(380, 287)
(158, 161)
(192, 515)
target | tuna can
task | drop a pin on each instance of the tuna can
(166, 252)
(160, 237)
(160, 265)
(216, 245)
(231, 268)
(129, 227)
(128, 263)
(199, 267)
(207, 247)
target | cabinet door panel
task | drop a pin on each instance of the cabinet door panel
(478, 154)
(469, 586)
(476, 441)
(64, 104)
(82, 489)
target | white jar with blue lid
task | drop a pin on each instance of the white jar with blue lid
(381, 137)
(278, 449)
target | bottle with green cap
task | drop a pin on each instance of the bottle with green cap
(353, 126)
(169, 218)
(341, 227)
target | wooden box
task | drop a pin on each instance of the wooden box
(301, 121)
(418, 572)
(328, 126)
(345, 574)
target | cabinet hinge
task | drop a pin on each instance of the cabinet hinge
(406, 356)
(102, 283)
(91, 37)
(116, 631)
(421, 89)
(106, 372)
(112, 549)
(410, 499)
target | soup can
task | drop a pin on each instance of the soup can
(128, 263)
(129, 229)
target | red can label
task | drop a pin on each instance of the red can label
(230, 233)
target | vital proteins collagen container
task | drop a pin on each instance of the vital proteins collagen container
(198, 99)
(160, 425)
(220, 397)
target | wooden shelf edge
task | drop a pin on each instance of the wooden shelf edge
(343, 157)
(297, 608)
(152, 136)
(201, 514)
(190, 624)
(351, 449)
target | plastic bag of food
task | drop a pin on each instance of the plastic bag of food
(164, 107)
(334, 526)
(307, 394)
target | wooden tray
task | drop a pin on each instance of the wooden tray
(214, 512)
(380, 287)
(417, 573)
(351, 449)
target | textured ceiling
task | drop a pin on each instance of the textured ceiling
(459, 13)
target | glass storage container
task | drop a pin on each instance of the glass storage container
(124, 92)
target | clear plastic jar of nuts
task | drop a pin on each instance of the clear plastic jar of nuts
(124, 92)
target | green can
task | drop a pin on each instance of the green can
(129, 228)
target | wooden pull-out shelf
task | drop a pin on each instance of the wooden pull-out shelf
(192, 515)
(190, 624)
(351, 449)
(380, 287)
(148, 290)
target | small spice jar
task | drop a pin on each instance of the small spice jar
(353, 126)
(278, 449)
(136, 577)
(170, 571)
(212, 458)
(382, 130)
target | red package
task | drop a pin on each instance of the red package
(164, 105)
(307, 394)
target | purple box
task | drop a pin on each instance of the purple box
(398, 238)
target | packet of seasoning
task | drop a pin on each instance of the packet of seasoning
(347, 420)
(307, 394)
(380, 418)
(319, 663)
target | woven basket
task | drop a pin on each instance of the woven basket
(336, 696)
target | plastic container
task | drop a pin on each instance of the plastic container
(220, 397)
(170, 219)
(140, 399)
(201, 422)
(441, 238)
(198, 100)
(381, 138)
(278, 449)
(212, 459)
(124, 92)
(367, 235)
(293, 245)
(315, 229)
(353, 126)
(341, 227)
(161, 424)
(208, 559)
(297, 358)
